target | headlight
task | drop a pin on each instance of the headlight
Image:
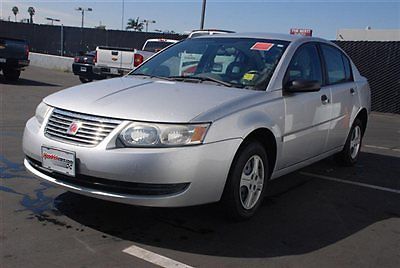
(41, 111)
(159, 135)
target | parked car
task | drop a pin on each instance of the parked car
(14, 54)
(113, 61)
(197, 33)
(256, 107)
(83, 67)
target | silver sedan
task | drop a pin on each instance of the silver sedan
(208, 119)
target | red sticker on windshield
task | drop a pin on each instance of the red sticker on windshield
(262, 46)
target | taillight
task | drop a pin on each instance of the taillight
(95, 57)
(76, 59)
(137, 60)
(27, 51)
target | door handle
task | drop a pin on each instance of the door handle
(352, 91)
(324, 99)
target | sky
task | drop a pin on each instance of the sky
(324, 17)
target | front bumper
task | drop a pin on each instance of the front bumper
(199, 172)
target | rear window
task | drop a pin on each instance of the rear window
(156, 46)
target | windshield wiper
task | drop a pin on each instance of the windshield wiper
(200, 79)
(153, 76)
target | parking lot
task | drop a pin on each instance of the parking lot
(321, 216)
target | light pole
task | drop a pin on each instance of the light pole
(61, 34)
(123, 13)
(203, 14)
(146, 22)
(52, 20)
(82, 10)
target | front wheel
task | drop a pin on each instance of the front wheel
(247, 179)
(351, 150)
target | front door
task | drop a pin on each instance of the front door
(307, 114)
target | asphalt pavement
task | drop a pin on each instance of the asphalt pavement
(321, 216)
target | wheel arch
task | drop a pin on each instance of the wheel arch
(266, 137)
(362, 115)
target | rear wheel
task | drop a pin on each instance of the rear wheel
(11, 74)
(247, 179)
(84, 79)
(351, 150)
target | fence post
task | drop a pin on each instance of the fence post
(62, 39)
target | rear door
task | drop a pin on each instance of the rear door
(13, 49)
(127, 59)
(307, 114)
(110, 57)
(344, 93)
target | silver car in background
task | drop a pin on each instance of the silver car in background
(208, 119)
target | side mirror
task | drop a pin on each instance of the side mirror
(302, 86)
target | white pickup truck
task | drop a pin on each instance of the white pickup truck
(115, 61)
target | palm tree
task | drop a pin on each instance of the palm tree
(135, 25)
(15, 10)
(31, 12)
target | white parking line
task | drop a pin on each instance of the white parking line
(154, 258)
(352, 182)
(376, 147)
(381, 147)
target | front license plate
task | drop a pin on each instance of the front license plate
(59, 160)
(83, 69)
(113, 71)
(2, 60)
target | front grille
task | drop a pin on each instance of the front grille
(92, 130)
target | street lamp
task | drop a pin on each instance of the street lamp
(61, 33)
(203, 14)
(123, 13)
(52, 20)
(146, 22)
(82, 10)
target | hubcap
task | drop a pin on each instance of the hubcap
(251, 182)
(355, 142)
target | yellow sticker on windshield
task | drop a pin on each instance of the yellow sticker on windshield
(248, 76)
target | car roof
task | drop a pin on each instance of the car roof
(211, 30)
(162, 40)
(273, 36)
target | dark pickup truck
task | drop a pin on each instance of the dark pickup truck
(13, 57)
(83, 67)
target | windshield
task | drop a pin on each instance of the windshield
(238, 62)
(155, 46)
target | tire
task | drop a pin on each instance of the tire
(11, 74)
(244, 183)
(351, 150)
(84, 79)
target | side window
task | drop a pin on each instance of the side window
(347, 68)
(337, 65)
(305, 64)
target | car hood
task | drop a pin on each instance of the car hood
(144, 99)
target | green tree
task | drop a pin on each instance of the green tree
(15, 10)
(31, 12)
(135, 25)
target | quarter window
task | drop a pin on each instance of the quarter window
(305, 65)
(337, 65)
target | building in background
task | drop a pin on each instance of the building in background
(368, 34)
